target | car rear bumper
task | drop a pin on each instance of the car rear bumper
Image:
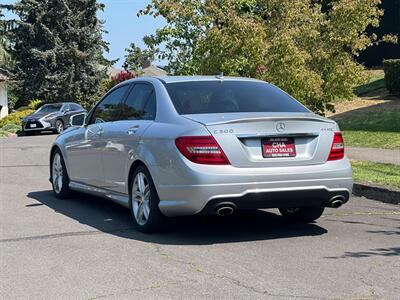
(280, 198)
(254, 188)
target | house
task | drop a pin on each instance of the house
(152, 70)
(3, 96)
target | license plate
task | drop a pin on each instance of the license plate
(32, 126)
(278, 147)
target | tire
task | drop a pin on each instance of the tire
(302, 214)
(59, 126)
(29, 133)
(146, 214)
(59, 176)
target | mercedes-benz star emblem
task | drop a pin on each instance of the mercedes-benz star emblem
(280, 127)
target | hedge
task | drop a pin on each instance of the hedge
(15, 118)
(392, 75)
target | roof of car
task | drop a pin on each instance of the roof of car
(173, 79)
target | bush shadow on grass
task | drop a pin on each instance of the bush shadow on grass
(108, 217)
(376, 118)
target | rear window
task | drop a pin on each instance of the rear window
(205, 97)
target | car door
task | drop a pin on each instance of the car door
(85, 152)
(123, 136)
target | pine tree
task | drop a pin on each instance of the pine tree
(57, 46)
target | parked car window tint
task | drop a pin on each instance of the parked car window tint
(75, 107)
(203, 97)
(150, 108)
(111, 106)
(140, 103)
(49, 108)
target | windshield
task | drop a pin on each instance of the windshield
(49, 108)
(203, 97)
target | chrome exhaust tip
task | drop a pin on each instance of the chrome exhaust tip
(225, 210)
(336, 201)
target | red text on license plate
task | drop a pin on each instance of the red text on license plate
(278, 147)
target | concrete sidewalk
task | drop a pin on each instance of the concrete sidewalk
(378, 155)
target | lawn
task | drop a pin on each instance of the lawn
(376, 80)
(384, 174)
(377, 126)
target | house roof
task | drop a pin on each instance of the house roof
(153, 71)
(111, 72)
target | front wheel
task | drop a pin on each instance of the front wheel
(144, 202)
(59, 126)
(302, 214)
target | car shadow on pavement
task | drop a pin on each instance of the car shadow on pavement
(108, 217)
(393, 251)
(22, 134)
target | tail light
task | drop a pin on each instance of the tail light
(202, 150)
(337, 149)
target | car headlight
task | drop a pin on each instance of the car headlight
(47, 119)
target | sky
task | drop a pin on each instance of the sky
(123, 25)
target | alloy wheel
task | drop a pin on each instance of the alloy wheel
(57, 173)
(141, 198)
(60, 127)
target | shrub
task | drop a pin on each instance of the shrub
(22, 108)
(392, 75)
(122, 76)
(34, 104)
(15, 118)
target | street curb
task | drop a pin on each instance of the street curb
(378, 193)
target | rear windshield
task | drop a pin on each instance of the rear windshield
(204, 97)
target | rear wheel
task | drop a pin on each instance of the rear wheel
(302, 214)
(144, 202)
(59, 176)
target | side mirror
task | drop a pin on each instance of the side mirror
(78, 120)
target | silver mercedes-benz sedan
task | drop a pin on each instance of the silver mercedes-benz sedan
(175, 146)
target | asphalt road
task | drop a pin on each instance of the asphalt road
(85, 247)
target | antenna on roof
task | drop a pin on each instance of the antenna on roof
(220, 76)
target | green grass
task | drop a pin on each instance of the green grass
(378, 128)
(376, 81)
(385, 174)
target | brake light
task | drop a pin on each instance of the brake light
(201, 150)
(337, 149)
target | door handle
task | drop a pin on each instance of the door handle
(133, 130)
(100, 131)
(97, 132)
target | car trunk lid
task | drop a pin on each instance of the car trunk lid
(250, 139)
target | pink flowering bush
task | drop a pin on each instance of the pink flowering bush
(122, 76)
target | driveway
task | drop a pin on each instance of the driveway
(85, 247)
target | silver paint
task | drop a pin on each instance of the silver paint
(98, 157)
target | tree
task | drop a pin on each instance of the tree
(5, 57)
(136, 58)
(306, 47)
(57, 45)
